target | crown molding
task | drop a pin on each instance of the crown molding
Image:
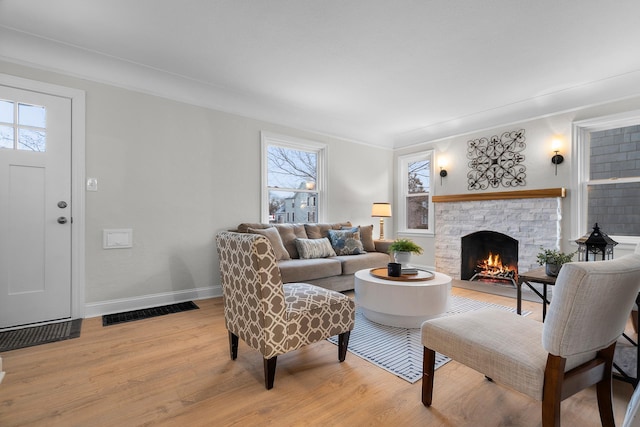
(37, 52)
(587, 95)
(40, 53)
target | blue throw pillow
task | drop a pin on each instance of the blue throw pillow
(346, 242)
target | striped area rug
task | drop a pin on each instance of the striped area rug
(399, 350)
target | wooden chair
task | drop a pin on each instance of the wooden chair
(271, 317)
(549, 362)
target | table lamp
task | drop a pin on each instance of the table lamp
(382, 210)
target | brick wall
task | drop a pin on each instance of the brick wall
(533, 222)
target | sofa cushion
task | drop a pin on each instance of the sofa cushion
(346, 242)
(289, 233)
(314, 248)
(301, 270)
(351, 264)
(245, 226)
(366, 236)
(318, 231)
(274, 238)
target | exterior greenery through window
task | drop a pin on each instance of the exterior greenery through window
(293, 179)
(415, 207)
(609, 181)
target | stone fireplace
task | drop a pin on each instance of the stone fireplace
(532, 218)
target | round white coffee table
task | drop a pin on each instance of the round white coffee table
(402, 304)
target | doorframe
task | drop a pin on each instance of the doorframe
(77, 98)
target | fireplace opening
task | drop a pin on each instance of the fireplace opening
(489, 256)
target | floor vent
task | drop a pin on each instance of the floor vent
(146, 313)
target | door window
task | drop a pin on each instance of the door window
(23, 126)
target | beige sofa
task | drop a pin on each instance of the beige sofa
(330, 271)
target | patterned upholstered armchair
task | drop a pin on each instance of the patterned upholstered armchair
(271, 317)
(549, 362)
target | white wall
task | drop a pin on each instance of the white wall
(540, 170)
(176, 174)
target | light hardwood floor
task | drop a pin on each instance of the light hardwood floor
(175, 370)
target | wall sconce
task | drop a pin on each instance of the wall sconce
(442, 163)
(382, 210)
(557, 158)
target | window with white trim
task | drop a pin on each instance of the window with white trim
(607, 176)
(293, 179)
(415, 208)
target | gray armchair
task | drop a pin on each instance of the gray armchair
(549, 362)
(270, 317)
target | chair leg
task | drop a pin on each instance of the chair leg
(428, 369)
(552, 391)
(604, 390)
(233, 345)
(343, 343)
(269, 371)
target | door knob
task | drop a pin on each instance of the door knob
(62, 204)
(62, 220)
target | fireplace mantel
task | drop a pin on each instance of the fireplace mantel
(532, 217)
(503, 195)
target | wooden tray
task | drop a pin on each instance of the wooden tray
(421, 276)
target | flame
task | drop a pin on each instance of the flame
(492, 266)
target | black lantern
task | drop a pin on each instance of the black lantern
(594, 244)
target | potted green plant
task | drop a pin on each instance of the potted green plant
(402, 250)
(553, 259)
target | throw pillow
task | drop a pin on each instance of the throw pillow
(346, 242)
(314, 248)
(366, 236)
(274, 238)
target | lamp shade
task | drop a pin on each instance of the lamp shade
(381, 210)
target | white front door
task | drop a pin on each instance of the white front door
(35, 207)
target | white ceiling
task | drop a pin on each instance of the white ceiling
(385, 72)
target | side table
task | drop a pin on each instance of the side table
(537, 275)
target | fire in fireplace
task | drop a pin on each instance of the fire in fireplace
(489, 256)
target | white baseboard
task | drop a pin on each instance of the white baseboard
(101, 308)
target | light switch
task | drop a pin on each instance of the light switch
(92, 184)
(117, 238)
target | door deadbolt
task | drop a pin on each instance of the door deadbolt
(62, 204)
(62, 220)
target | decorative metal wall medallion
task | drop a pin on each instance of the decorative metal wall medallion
(497, 161)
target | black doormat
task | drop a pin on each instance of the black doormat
(146, 313)
(36, 335)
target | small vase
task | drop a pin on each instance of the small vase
(402, 258)
(552, 269)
